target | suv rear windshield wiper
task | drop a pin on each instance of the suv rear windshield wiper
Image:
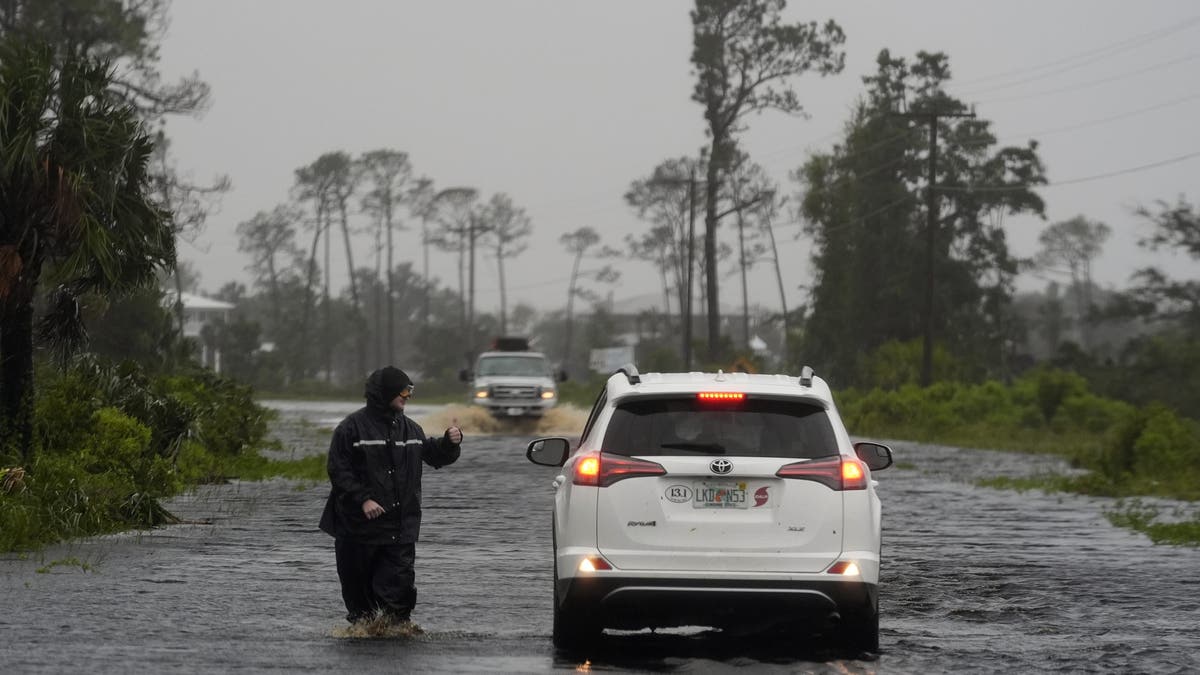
(715, 448)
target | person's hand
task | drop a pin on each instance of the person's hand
(454, 434)
(372, 509)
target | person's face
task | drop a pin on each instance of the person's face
(399, 402)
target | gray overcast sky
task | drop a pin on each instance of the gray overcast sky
(562, 103)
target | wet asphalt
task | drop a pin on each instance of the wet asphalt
(974, 580)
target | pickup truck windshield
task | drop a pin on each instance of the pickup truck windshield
(520, 366)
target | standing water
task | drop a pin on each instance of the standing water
(974, 579)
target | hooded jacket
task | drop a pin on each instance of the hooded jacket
(378, 453)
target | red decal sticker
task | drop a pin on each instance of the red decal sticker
(760, 496)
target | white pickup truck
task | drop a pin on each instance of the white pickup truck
(513, 382)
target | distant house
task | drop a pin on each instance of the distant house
(198, 312)
(641, 317)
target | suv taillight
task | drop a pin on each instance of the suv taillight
(835, 473)
(601, 470)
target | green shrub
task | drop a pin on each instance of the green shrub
(1086, 411)
(226, 420)
(1053, 387)
(111, 442)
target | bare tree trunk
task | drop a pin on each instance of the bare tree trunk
(782, 297)
(428, 286)
(360, 336)
(462, 283)
(16, 369)
(570, 306)
(710, 247)
(380, 336)
(308, 294)
(742, 261)
(390, 352)
(471, 288)
(276, 300)
(666, 287)
(327, 332)
(503, 299)
(680, 243)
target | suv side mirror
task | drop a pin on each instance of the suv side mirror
(548, 451)
(561, 376)
(464, 375)
(876, 456)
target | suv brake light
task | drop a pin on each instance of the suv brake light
(835, 473)
(601, 470)
(721, 396)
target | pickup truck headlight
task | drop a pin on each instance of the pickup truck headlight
(547, 393)
(481, 393)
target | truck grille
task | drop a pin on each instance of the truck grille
(512, 392)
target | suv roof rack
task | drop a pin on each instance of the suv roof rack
(806, 376)
(631, 373)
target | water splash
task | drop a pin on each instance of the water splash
(564, 420)
(379, 627)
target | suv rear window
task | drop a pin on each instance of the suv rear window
(751, 428)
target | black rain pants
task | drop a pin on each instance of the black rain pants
(376, 578)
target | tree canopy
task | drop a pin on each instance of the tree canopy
(76, 212)
(863, 204)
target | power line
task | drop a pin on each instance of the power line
(1084, 125)
(1098, 52)
(1072, 181)
(1103, 80)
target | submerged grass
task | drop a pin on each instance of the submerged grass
(1177, 529)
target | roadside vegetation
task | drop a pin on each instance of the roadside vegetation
(1126, 450)
(112, 442)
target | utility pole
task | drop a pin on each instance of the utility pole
(779, 279)
(931, 227)
(687, 310)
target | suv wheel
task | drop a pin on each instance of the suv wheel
(860, 631)
(572, 633)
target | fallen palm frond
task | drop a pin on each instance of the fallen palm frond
(12, 480)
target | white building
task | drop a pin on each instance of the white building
(198, 312)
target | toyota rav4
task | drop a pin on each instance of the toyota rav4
(725, 500)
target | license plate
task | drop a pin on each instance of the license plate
(720, 496)
(514, 412)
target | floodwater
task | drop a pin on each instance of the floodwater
(975, 580)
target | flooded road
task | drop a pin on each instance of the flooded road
(974, 579)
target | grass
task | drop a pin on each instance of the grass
(65, 562)
(257, 467)
(1144, 518)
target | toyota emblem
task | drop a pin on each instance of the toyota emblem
(721, 466)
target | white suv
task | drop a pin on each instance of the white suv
(728, 500)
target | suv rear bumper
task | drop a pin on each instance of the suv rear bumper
(634, 603)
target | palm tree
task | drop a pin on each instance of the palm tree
(75, 212)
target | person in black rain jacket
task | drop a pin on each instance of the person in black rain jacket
(373, 512)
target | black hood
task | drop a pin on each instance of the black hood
(385, 384)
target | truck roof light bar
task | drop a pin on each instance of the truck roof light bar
(806, 376)
(631, 373)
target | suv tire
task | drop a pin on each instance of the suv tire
(859, 632)
(573, 633)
